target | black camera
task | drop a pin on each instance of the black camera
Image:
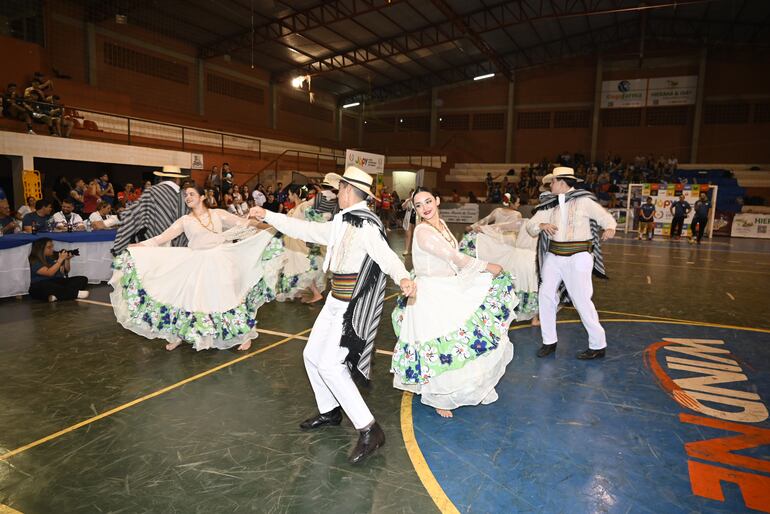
(74, 252)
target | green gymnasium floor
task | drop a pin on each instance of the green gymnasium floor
(96, 419)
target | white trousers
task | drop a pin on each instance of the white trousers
(575, 271)
(324, 362)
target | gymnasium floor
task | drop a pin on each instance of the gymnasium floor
(96, 419)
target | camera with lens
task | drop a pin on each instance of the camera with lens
(74, 252)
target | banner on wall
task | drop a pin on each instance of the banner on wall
(623, 93)
(369, 162)
(751, 225)
(664, 196)
(463, 213)
(196, 161)
(723, 223)
(672, 90)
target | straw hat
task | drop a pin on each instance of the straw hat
(170, 171)
(565, 172)
(331, 180)
(355, 177)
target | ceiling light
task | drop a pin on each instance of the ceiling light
(482, 77)
(297, 82)
(354, 104)
(401, 120)
(293, 50)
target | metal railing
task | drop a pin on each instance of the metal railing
(134, 129)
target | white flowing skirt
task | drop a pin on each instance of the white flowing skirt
(453, 344)
(208, 298)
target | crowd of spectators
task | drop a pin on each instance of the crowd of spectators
(600, 177)
(37, 104)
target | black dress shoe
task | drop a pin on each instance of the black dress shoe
(368, 441)
(589, 354)
(546, 349)
(333, 417)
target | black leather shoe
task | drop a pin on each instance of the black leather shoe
(589, 354)
(333, 417)
(546, 349)
(368, 441)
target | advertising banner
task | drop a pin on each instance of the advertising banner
(751, 225)
(672, 91)
(369, 162)
(624, 93)
(663, 197)
(463, 213)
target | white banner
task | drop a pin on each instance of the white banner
(463, 213)
(369, 162)
(750, 225)
(672, 90)
(624, 93)
(663, 197)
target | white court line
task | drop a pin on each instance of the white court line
(731, 296)
(649, 280)
(260, 330)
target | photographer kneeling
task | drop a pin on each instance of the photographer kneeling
(49, 269)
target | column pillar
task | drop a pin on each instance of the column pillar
(509, 123)
(597, 107)
(698, 117)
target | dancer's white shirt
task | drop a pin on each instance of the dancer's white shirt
(573, 220)
(347, 246)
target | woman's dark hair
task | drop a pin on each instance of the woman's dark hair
(297, 189)
(200, 191)
(422, 189)
(37, 254)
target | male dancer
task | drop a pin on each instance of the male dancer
(341, 343)
(569, 248)
(156, 210)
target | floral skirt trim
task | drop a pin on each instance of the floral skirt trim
(416, 362)
(528, 305)
(290, 286)
(468, 244)
(191, 327)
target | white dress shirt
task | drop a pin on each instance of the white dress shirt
(60, 221)
(347, 245)
(572, 219)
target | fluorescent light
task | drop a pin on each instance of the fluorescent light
(354, 104)
(482, 77)
(297, 81)
(293, 50)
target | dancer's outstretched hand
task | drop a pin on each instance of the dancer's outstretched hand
(257, 212)
(408, 287)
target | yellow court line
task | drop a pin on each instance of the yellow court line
(662, 318)
(421, 467)
(146, 397)
(5, 509)
(426, 476)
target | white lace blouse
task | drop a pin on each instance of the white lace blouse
(199, 236)
(435, 256)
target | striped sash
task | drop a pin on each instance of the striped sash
(568, 248)
(343, 285)
(155, 211)
(362, 317)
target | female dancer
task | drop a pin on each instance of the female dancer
(499, 238)
(301, 262)
(453, 343)
(206, 294)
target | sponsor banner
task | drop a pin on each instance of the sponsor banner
(723, 223)
(460, 213)
(369, 162)
(751, 225)
(672, 90)
(663, 197)
(620, 217)
(624, 93)
(196, 161)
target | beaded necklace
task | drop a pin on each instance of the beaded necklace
(208, 226)
(443, 231)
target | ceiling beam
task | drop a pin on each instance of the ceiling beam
(320, 15)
